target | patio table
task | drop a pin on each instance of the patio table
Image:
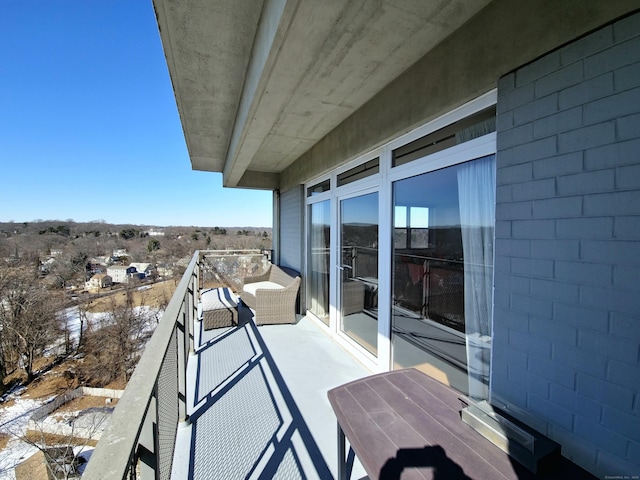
(405, 424)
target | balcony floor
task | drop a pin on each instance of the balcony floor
(259, 406)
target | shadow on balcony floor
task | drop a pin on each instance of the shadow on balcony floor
(244, 422)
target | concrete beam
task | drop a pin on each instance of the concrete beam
(259, 180)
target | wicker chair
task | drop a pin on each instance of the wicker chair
(272, 296)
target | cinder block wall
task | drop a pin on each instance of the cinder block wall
(566, 354)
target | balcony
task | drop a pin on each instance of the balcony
(241, 402)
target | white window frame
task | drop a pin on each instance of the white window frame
(382, 182)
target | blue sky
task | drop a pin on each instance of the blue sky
(89, 128)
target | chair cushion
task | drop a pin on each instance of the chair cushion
(253, 287)
(217, 298)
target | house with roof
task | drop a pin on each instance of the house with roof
(99, 280)
(144, 269)
(120, 273)
(456, 182)
(119, 252)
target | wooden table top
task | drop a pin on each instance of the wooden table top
(404, 424)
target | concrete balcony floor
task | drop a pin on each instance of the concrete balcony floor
(258, 405)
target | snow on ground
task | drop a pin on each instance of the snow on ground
(91, 422)
(71, 317)
(13, 422)
(13, 419)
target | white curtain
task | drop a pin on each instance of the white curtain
(476, 195)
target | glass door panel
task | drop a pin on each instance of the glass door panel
(443, 274)
(319, 244)
(358, 280)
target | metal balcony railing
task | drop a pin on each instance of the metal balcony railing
(140, 440)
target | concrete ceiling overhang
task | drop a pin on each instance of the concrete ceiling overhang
(258, 83)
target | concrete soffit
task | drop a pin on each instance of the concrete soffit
(313, 64)
(272, 92)
(457, 70)
(207, 47)
(259, 82)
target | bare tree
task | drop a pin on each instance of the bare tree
(70, 266)
(113, 349)
(83, 307)
(29, 315)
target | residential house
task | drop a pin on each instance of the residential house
(144, 269)
(100, 280)
(457, 182)
(120, 273)
(94, 266)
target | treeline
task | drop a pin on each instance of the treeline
(73, 244)
(99, 227)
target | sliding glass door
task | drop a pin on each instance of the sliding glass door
(358, 269)
(399, 259)
(443, 230)
(319, 248)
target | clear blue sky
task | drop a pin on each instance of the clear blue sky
(89, 128)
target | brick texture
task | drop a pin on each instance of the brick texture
(567, 282)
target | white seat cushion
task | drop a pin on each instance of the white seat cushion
(253, 287)
(217, 298)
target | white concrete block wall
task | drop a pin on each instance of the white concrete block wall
(566, 352)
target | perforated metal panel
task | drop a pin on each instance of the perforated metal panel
(167, 408)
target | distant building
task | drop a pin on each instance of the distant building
(155, 233)
(95, 267)
(120, 252)
(100, 280)
(46, 265)
(120, 273)
(146, 268)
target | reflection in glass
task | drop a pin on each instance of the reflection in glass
(359, 269)
(443, 274)
(318, 293)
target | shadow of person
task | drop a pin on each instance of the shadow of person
(433, 457)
